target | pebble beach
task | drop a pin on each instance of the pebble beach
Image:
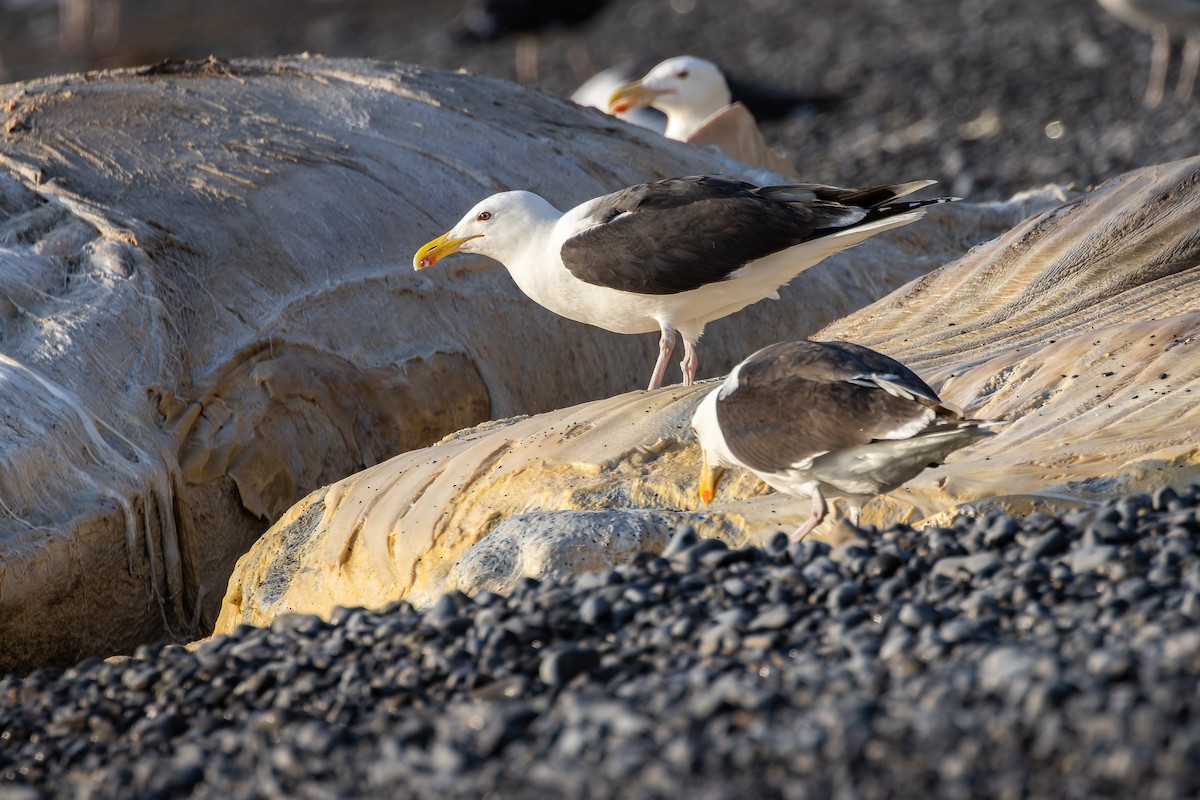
(1004, 657)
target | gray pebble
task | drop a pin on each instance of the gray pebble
(1089, 559)
(594, 610)
(917, 615)
(1101, 532)
(844, 595)
(719, 638)
(1190, 606)
(735, 587)
(966, 567)
(683, 539)
(772, 618)
(1047, 544)
(1110, 665)
(560, 666)
(1000, 533)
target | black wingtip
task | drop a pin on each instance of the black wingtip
(892, 209)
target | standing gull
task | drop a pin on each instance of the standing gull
(672, 255)
(1164, 19)
(826, 418)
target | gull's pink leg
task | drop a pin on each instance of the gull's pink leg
(818, 514)
(1160, 55)
(689, 363)
(666, 344)
(1187, 70)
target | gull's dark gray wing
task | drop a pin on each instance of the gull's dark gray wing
(680, 234)
(795, 400)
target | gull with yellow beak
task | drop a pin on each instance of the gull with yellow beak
(687, 89)
(826, 419)
(673, 255)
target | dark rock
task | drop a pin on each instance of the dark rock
(1048, 544)
(1110, 665)
(844, 595)
(966, 567)
(883, 565)
(1163, 498)
(1000, 533)
(560, 666)
(1090, 559)
(772, 618)
(683, 539)
(917, 615)
(594, 610)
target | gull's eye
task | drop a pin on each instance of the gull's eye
(483, 216)
(683, 73)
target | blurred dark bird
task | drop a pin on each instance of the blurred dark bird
(86, 27)
(821, 419)
(490, 20)
(767, 102)
(1164, 19)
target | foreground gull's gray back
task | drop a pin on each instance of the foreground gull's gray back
(794, 402)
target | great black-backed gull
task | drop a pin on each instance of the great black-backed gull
(672, 255)
(1164, 19)
(822, 419)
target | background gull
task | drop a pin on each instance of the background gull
(687, 89)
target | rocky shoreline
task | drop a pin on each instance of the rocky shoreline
(1003, 657)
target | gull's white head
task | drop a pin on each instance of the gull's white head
(499, 227)
(687, 89)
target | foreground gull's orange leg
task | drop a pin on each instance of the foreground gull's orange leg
(818, 513)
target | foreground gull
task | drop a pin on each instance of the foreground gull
(672, 255)
(826, 418)
(687, 89)
(1164, 19)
